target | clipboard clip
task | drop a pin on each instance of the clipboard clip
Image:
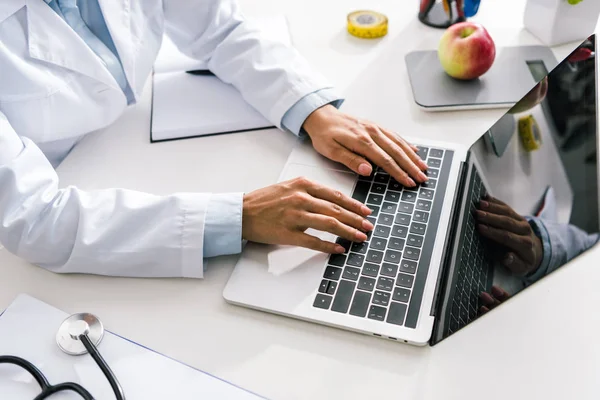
(78, 334)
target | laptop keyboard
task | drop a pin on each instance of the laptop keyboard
(376, 279)
(474, 271)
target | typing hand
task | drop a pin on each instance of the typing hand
(281, 213)
(493, 299)
(521, 250)
(344, 139)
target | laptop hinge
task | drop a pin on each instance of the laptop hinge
(449, 241)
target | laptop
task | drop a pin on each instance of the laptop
(426, 271)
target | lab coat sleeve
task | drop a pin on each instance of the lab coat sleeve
(270, 75)
(106, 232)
(561, 243)
(293, 119)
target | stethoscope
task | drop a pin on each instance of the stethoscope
(78, 334)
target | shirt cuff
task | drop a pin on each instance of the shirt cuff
(223, 225)
(542, 233)
(294, 118)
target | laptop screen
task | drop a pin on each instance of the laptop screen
(529, 199)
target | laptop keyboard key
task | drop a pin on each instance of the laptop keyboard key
(404, 280)
(351, 273)
(414, 240)
(385, 219)
(409, 196)
(402, 219)
(322, 301)
(365, 283)
(378, 243)
(423, 205)
(377, 313)
(418, 228)
(342, 299)
(370, 269)
(378, 188)
(401, 294)
(360, 247)
(375, 256)
(432, 173)
(408, 266)
(355, 259)
(344, 243)
(374, 212)
(392, 256)
(332, 273)
(400, 231)
(396, 243)
(434, 163)
(385, 284)
(421, 216)
(426, 194)
(430, 183)
(381, 231)
(437, 153)
(360, 304)
(411, 253)
(396, 314)
(393, 197)
(388, 207)
(374, 198)
(324, 285)
(389, 270)
(422, 152)
(381, 178)
(381, 298)
(406, 207)
(395, 185)
(331, 288)
(337, 259)
(361, 191)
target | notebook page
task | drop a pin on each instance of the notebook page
(28, 330)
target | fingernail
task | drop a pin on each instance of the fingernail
(479, 214)
(411, 183)
(423, 177)
(339, 249)
(508, 259)
(365, 210)
(423, 165)
(364, 169)
(484, 204)
(367, 225)
(361, 236)
(481, 227)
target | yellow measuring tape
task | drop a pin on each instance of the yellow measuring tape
(530, 134)
(367, 24)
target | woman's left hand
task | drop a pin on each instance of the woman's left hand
(352, 142)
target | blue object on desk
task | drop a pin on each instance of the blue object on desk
(471, 7)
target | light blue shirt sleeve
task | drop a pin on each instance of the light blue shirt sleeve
(223, 225)
(561, 243)
(294, 118)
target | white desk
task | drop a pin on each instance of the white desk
(542, 344)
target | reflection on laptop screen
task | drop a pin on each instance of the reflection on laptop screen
(531, 208)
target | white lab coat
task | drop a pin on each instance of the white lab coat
(53, 87)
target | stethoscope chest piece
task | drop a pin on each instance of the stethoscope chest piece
(73, 327)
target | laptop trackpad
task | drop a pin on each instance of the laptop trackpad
(284, 259)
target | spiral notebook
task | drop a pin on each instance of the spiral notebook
(186, 105)
(28, 329)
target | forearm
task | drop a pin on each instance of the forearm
(109, 232)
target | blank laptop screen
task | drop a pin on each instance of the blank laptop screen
(530, 208)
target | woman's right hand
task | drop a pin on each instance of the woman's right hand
(281, 213)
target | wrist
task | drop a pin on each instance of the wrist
(317, 118)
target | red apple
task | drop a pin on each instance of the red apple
(466, 50)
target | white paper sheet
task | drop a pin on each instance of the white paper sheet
(28, 330)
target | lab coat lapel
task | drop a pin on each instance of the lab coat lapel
(53, 41)
(117, 15)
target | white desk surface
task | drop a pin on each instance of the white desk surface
(541, 344)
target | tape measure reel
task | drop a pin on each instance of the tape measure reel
(367, 24)
(529, 132)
